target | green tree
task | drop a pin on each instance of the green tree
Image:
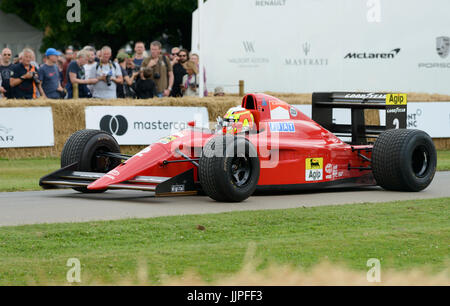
(107, 22)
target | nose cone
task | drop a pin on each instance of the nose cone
(112, 177)
(139, 163)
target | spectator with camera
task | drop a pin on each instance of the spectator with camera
(179, 72)
(190, 80)
(76, 75)
(108, 74)
(50, 77)
(5, 72)
(174, 55)
(25, 81)
(162, 73)
(126, 89)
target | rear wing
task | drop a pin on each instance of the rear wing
(395, 105)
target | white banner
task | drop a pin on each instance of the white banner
(326, 45)
(143, 125)
(431, 117)
(22, 127)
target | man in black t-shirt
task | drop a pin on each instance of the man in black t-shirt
(76, 74)
(25, 79)
(179, 72)
(5, 73)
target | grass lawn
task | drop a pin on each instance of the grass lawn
(24, 174)
(402, 235)
(443, 161)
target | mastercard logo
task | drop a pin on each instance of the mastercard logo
(116, 125)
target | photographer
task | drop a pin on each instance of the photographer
(190, 80)
(109, 75)
(50, 77)
(161, 70)
(25, 81)
(125, 90)
(179, 72)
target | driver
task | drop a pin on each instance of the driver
(237, 120)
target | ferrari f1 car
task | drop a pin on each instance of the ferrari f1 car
(263, 144)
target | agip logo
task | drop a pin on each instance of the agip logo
(314, 169)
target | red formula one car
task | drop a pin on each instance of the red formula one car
(264, 144)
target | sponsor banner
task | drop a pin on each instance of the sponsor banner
(143, 125)
(431, 117)
(313, 46)
(23, 127)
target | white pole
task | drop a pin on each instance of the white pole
(200, 48)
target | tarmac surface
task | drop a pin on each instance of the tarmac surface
(66, 205)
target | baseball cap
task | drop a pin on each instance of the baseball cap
(122, 56)
(52, 51)
(219, 91)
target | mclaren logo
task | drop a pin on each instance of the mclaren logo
(443, 46)
(365, 55)
(116, 125)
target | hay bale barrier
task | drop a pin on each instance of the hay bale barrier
(69, 116)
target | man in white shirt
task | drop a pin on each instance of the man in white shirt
(108, 74)
(89, 68)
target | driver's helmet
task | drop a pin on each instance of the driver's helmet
(237, 120)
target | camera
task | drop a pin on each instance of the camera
(108, 79)
(156, 76)
(36, 77)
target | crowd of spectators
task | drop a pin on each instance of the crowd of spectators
(142, 75)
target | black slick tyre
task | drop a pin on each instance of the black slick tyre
(404, 160)
(83, 148)
(229, 169)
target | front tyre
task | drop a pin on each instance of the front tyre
(229, 169)
(84, 147)
(404, 160)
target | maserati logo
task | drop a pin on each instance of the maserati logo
(443, 46)
(306, 48)
(306, 60)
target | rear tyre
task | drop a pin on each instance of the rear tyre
(404, 160)
(233, 175)
(83, 148)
